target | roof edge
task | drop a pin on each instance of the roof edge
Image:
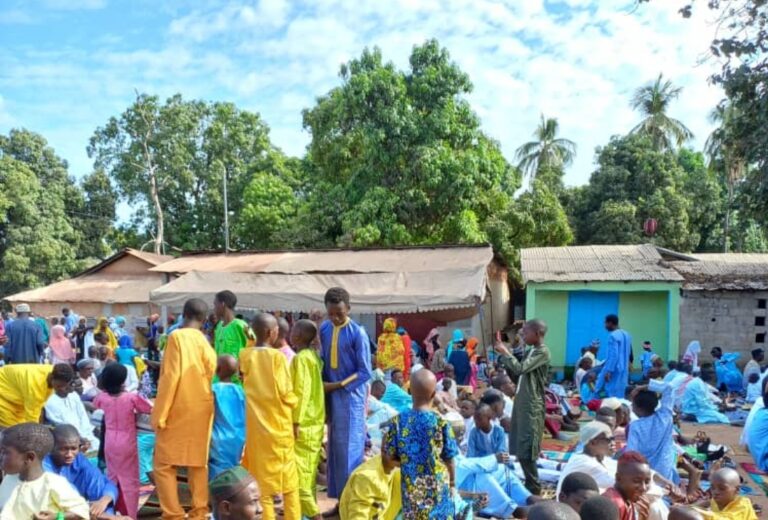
(333, 249)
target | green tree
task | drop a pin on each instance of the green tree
(615, 223)
(547, 153)
(96, 215)
(398, 157)
(269, 207)
(653, 101)
(702, 187)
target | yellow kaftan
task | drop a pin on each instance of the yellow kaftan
(370, 493)
(183, 412)
(740, 509)
(23, 393)
(269, 400)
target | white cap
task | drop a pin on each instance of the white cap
(22, 307)
(592, 430)
(612, 402)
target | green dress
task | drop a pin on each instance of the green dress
(233, 337)
(527, 426)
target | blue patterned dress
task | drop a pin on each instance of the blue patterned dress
(421, 441)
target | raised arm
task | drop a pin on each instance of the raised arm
(667, 395)
(538, 357)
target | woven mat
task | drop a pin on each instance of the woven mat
(758, 477)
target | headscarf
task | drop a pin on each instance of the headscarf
(125, 341)
(432, 337)
(592, 430)
(391, 351)
(103, 327)
(691, 355)
(458, 337)
(60, 345)
(472, 344)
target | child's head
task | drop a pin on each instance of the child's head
(103, 353)
(303, 334)
(266, 329)
(552, 511)
(576, 489)
(60, 379)
(754, 378)
(758, 355)
(449, 371)
(23, 448)
(716, 352)
(447, 383)
(647, 345)
(66, 445)
(495, 400)
(423, 385)
(534, 332)
(644, 403)
(585, 363)
(337, 305)
(725, 486)
(672, 365)
(633, 476)
(226, 368)
(100, 338)
(113, 378)
(599, 508)
(284, 331)
(93, 352)
(378, 388)
(234, 495)
(467, 408)
(398, 378)
(483, 417)
(195, 311)
(504, 384)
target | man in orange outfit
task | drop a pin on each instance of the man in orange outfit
(183, 414)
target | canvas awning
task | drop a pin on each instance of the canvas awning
(371, 293)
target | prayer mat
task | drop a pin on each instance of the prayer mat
(558, 456)
(557, 445)
(757, 476)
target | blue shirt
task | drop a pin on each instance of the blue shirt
(70, 322)
(86, 478)
(646, 362)
(25, 342)
(652, 436)
(758, 439)
(483, 444)
(125, 355)
(616, 364)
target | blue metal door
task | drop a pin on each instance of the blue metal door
(586, 321)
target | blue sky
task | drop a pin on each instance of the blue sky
(66, 66)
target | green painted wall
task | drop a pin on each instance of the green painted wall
(648, 310)
(645, 316)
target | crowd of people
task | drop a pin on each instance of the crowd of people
(254, 417)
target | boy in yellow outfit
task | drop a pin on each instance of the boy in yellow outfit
(309, 415)
(269, 434)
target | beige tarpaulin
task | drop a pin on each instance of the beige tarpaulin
(371, 293)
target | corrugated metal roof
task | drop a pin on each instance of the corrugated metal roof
(92, 288)
(725, 271)
(422, 259)
(597, 263)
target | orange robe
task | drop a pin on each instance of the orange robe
(183, 413)
(269, 400)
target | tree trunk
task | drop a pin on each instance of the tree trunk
(727, 226)
(160, 234)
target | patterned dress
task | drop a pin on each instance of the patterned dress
(421, 441)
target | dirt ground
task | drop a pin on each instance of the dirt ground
(729, 435)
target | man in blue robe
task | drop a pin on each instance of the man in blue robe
(757, 434)
(346, 370)
(67, 461)
(614, 376)
(506, 493)
(728, 374)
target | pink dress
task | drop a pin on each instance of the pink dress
(120, 445)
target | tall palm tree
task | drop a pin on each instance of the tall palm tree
(725, 152)
(652, 101)
(546, 150)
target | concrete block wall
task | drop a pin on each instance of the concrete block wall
(726, 319)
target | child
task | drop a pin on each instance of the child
(309, 414)
(754, 392)
(39, 494)
(467, 409)
(398, 379)
(228, 437)
(633, 478)
(234, 495)
(726, 502)
(585, 365)
(600, 508)
(587, 391)
(652, 434)
(487, 438)
(424, 446)
(282, 339)
(576, 489)
(67, 461)
(120, 442)
(527, 426)
(125, 351)
(646, 361)
(270, 444)
(495, 399)
(64, 406)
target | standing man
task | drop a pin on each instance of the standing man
(183, 414)
(527, 428)
(614, 376)
(346, 370)
(25, 338)
(70, 320)
(232, 334)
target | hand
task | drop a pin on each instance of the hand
(85, 445)
(100, 506)
(44, 515)
(501, 349)
(502, 458)
(676, 494)
(643, 506)
(607, 377)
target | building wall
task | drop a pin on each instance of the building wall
(728, 319)
(647, 310)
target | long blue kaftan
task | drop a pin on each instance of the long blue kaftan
(397, 398)
(616, 364)
(652, 435)
(728, 373)
(698, 401)
(86, 478)
(758, 439)
(228, 434)
(483, 444)
(345, 352)
(646, 362)
(485, 475)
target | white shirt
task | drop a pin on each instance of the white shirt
(70, 410)
(50, 492)
(509, 405)
(603, 472)
(7, 486)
